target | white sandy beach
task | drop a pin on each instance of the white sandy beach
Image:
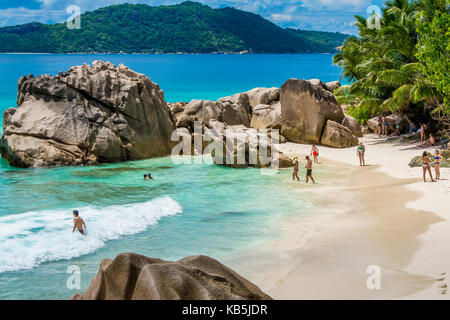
(403, 226)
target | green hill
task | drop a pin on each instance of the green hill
(187, 27)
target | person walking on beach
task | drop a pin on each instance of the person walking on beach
(426, 164)
(360, 151)
(437, 164)
(309, 169)
(295, 172)
(315, 153)
(78, 223)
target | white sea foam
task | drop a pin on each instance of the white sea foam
(29, 239)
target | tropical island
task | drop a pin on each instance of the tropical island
(374, 206)
(189, 27)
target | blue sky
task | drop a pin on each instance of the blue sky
(323, 15)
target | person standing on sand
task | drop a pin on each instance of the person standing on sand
(437, 164)
(315, 153)
(78, 223)
(426, 166)
(423, 127)
(379, 126)
(360, 152)
(295, 172)
(385, 127)
(309, 169)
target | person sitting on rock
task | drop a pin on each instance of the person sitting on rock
(431, 142)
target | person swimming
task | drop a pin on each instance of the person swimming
(78, 223)
(149, 176)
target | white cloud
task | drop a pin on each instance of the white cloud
(279, 17)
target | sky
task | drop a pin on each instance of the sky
(321, 15)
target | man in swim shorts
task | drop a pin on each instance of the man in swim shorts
(309, 169)
(315, 153)
(78, 223)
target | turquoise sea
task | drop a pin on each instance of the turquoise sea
(187, 209)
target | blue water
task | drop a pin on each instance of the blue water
(187, 209)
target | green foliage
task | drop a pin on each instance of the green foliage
(433, 51)
(361, 114)
(187, 27)
(400, 66)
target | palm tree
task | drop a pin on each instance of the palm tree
(382, 63)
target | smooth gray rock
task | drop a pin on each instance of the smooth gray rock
(89, 114)
(305, 109)
(338, 136)
(353, 125)
(135, 277)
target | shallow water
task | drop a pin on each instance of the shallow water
(187, 209)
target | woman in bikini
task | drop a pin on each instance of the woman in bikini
(385, 127)
(295, 172)
(437, 163)
(360, 151)
(426, 164)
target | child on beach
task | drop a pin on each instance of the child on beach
(360, 151)
(437, 163)
(309, 169)
(426, 164)
(315, 153)
(295, 172)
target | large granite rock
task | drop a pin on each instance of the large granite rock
(353, 125)
(89, 114)
(332, 85)
(135, 277)
(241, 147)
(266, 116)
(305, 109)
(232, 110)
(338, 136)
(263, 96)
(393, 120)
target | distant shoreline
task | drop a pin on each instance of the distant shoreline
(169, 53)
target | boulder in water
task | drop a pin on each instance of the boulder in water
(89, 114)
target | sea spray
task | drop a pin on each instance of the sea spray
(29, 239)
